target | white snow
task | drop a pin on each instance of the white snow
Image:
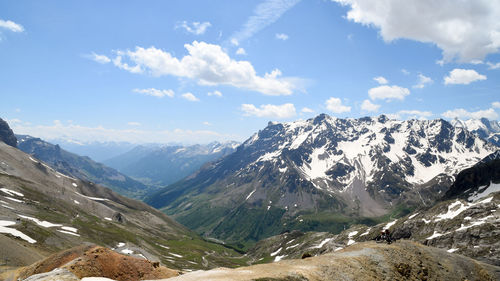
(68, 232)
(41, 223)
(412, 216)
(127, 251)
(11, 192)
(275, 253)
(366, 232)
(120, 244)
(435, 235)
(426, 221)
(293, 246)
(323, 243)
(268, 207)
(278, 258)
(93, 198)
(175, 255)
(68, 228)
(249, 195)
(74, 184)
(5, 206)
(76, 202)
(108, 219)
(485, 191)
(452, 250)
(338, 249)
(454, 209)
(387, 226)
(14, 232)
(475, 223)
(349, 236)
(14, 199)
(165, 247)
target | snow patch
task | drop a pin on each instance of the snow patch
(69, 232)
(278, 258)
(14, 232)
(412, 216)
(249, 195)
(275, 253)
(323, 243)
(11, 192)
(41, 223)
(93, 198)
(120, 244)
(485, 191)
(452, 250)
(127, 251)
(387, 226)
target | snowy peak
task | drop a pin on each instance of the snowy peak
(484, 128)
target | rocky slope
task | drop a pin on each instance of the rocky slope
(364, 261)
(6, 134)
(484, 128)
(164, 165)
(43, 211)
(82, 167)
(322, 174)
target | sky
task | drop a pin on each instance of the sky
(201, 71)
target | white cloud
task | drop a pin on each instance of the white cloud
(465, 30)
(415, 114)
(206, 123)
(464, 114)
(283, 111)
(190, 97)
(388, 92)
(463, 76)
(215, 93)
(381, 80)
(10, 25)
(367, 105)
(335, 105)
(307, 110)
(264, 14)
(495, 104)
(87, 134)
(422, 81)
(135, 124)
(493, 65)
(197, 28)
(241, 51)
(102, 59)
(155, 92)
(282, 36)
(405, 72)
(209, 65)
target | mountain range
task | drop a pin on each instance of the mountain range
(323, 173)
(162, 165)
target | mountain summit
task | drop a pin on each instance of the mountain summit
(294, 175)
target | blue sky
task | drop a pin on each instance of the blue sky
(198, 71)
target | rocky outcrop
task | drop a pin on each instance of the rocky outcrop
(404, 260)
(6, 134)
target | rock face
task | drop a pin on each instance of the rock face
(484, 128)
(82, 167)
(93, 261)
(6, 134)
(320, 174)
(364, 261)
(44, 211)
(164, 165)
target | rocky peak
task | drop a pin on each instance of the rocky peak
(6, 134)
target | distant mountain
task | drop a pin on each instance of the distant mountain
(486, 129)
(6, 134)
(163, 165)
(98, 151)
(43, 211)
(81, 167)
(322, 174)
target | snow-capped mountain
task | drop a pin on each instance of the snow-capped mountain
(363, 167)
(486, 129)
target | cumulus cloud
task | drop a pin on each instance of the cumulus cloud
(307, 110)
(241, 52)
(209, 65)
(190, 97)
(11, 26)
(495, 104)
(422, 81)
(264, 14)
(282, 36)
(405, 72)
(367, 105)
(283, 111)
(388, 93)
(335, 105)
(464, 30)
(102, 59)
(464, 114)
(136, 124)
(197, 28)
(215, 93)
(381, 80)
(86, 134)
(155, 92)
(415, 114)
(463, 76)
